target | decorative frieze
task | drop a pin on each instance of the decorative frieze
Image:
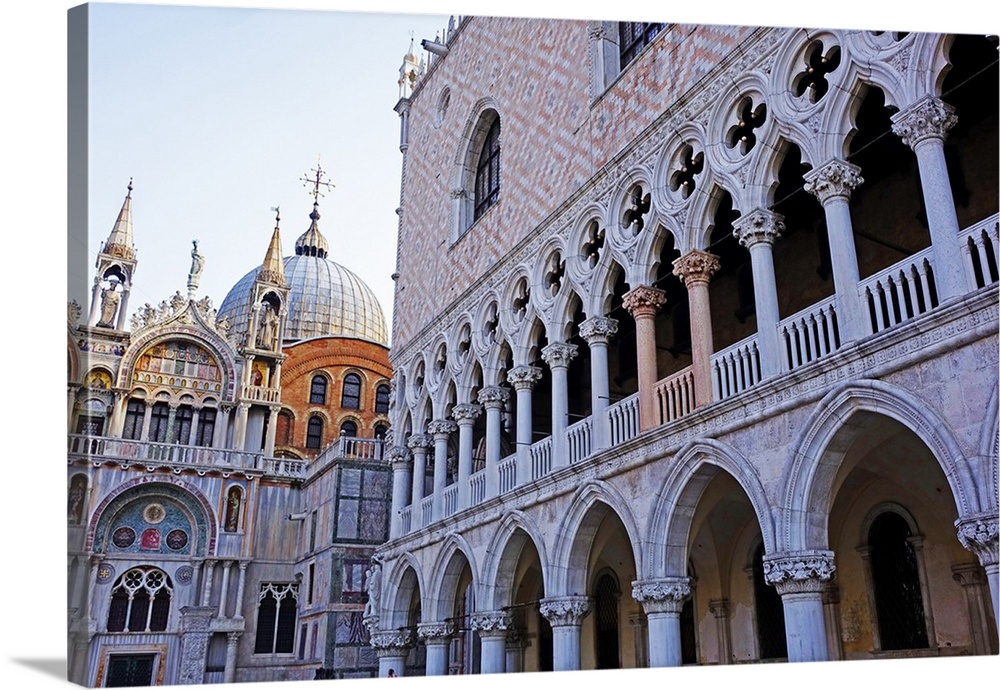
(644, 301)
(562, 611)
(928, 118)
(834, 179)
(524, 377)
(978, 534)
(493, 397)
(802, 572)
(696, 267)
(757, 227)
(598, 329)
(663, 595)
(558, 354)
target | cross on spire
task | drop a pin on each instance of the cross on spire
(316, 182)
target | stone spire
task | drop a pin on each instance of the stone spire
(119, 243)
(273, 269)
(115, 266)
(409, 71)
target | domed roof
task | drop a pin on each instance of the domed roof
(324, 297)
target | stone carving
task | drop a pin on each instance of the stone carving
(267, 333)
(110, 297)
(807, 571)
(441, 427)
(524, 377)
(493, 397)
(696, 267)
(398, 455)
(442, 630)
(391, 642)
(928, 118)
(666, 595)
(73, 312)
(644, 301)
(373, 587)
(197, 264)
(419, 441)
(491, 621)
(466, 412)
(833, 179)
(978, 534)
(598, 329)
(177, 302)
(760, 225)
(564, 610)
(558, 354)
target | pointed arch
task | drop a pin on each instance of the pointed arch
(401, 582)
(497, 585)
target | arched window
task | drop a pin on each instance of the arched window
(314, 432)
(134, 413)
(183, 418)
(349, 429)
(158, 419)
(382, 399)
(317, 390)
(206, 427)
(487, 187)
(351, 398)
(381, 431)
(899, 603)
(770, 613)
(606, 609)
(140, 601)
(276, 611)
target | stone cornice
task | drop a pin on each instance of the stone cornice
(928, 119)
(978, 534)
(801, 572)
(562, 611)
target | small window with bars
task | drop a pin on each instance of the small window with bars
(487, 189)
(633, 37)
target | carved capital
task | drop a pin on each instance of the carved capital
(927, 119)
(978, 534)
(438, 631)
(598, 329)
(418, 442)
(398, 455)
(719, 608)
(491, 623)
(664, 595)
(644, 301)
(760, 226)
(834, 179)
(524, 377)
(466, 413)
(564, 610)
(391, 642)
(558, 354)
(696, 267)
(795, 573)
(441, 427)
(493, 397)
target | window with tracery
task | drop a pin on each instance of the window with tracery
(317, 390)
(633, 37)
(351, 398)
(183, 418)
(606, 634)
(277, 606)
(487, 188)
(140, 601)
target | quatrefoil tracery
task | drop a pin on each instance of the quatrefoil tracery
(818, 66)
(594, 244)
(742, 134)
(634, 216)
(555, 273)
(683, 178)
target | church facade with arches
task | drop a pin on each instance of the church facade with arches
(695, 349)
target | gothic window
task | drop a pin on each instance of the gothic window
(606, 608)
(770, 613)
(487, 187)
(382, 399)
(633, 37)
(314, 432)
(349, 429)
(317, 390)
(206, 427)
(134, 413)
(182, 422)
(351, 398)
(140, 601)
(899, 603)
(276, 613)
(158, 420)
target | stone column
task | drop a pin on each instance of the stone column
(123, 307)
(978, 534)
(147, 415)
(523, 379)
(758, 231)
(171, 423)
(662, 600)
(970, 576)
(221, 427)
(515, 644)
(597, 331)
(240, 585)
(441, 430)
(923, 127)
(402, 484)
(437, 639)
(558, 356)
(492, 627)
(232, 642)
(391, 647)
(272, 431)
(418, 445)
(195, 631)
(117, 423)
(832, 183)
(696, 268)
(800, 579)
(465, 416)
(493, 398)
(565, 614)
(193, 433)
(720, 609)
(206, 590)
(240, 432)
(642, 303)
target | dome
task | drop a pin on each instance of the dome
(324, 297)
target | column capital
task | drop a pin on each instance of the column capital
(978, 534)
(558, 354)
(391, 642)
(598, 329)
(832, 180)
(719, 607)
(441, 428)
(760, 226)
(564, 610)
(440, 631)
(928, 119)
(800, 572)
(696, 267)
(398, 455)
(524, 377)
(491, 623)
(466, 413)
(493, 397)
(662, 595)
(419, 442)
(644, 300)
(234, 636)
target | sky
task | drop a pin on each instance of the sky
(203, 170)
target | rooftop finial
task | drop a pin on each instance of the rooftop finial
(277, 215)
(129, 187)
(316, 182)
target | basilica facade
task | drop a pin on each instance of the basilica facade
(226, 482)
(695, 349)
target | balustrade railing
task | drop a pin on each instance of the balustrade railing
(426, 510)
(360, 448)
(900, 292)
(406, 520)
(477, 487)
(810, 334)
(735, 369)
(578, 439)
(674, 395)
(979, 248)
(129, 450)
(285, 467)
(508, 473)
(623, 417)
(541, 458)
(450, 498)
(261, 393)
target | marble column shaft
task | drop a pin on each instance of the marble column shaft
(696, 269)
(642, 303)
(758, 231)
(800, 579)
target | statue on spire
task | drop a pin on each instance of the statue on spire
(194, 275)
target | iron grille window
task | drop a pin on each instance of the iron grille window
(606, 599)
(689, 647)
(158, 422)
(182, 422)
(134, 414)
(130, 670)
(899, 604)
(487, 189)
(314, 432)
(317, 391)
(633, 37)
(351, 398)
(382, 399)
(770, 613)
(276, 615)
(206, 427)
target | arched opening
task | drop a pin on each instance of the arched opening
(606, 598)
(734, 313)
(673, 321)
(899, 603)
(769, 614)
